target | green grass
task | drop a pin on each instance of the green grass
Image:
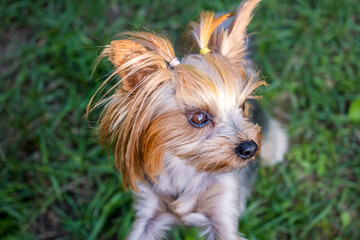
(56, 182)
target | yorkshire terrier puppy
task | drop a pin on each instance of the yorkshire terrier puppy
(186, 133)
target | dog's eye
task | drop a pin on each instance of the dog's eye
(199, 119)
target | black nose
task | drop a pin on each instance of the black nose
(247, 149)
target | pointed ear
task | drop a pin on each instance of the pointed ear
(132, 61)
(231, 41)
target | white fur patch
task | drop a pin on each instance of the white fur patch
(274, 145)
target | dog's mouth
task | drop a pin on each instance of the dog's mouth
(231, 164)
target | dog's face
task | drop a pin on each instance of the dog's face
(208, 125)
(196, 110)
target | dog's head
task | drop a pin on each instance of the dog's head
(196, 110)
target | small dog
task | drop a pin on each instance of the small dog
(186, 134)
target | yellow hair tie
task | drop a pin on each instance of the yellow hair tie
(204, 50)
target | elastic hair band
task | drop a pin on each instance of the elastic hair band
(174, 62)
(204, 50)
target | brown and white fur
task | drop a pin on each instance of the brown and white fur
(183, 173)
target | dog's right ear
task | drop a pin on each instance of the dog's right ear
(231, 41)
(132, 61)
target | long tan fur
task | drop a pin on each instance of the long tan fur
(203, 30)
(140, 61)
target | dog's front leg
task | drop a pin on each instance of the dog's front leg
(213, 228)
(152, 219)
(217, 214)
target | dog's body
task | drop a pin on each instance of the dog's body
(186, 134)
(212, 202)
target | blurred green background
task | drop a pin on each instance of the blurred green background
(56, 182)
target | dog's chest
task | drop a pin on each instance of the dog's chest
(179, 179)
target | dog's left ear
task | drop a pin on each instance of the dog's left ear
(132, 61)
(231, 41)
(143, 61)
